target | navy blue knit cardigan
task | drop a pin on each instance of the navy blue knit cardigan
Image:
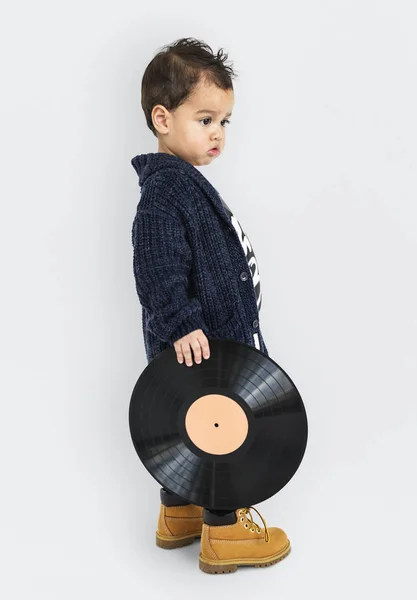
(190, 269)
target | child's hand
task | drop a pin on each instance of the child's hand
(196, 340)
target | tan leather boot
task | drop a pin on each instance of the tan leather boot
(178, 524)
(224, 547)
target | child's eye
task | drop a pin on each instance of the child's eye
(209, 118)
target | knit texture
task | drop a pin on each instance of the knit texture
(189, 266)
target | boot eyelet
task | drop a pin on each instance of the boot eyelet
(242, 519)
(259, 531)
(246, 525)
(240, 512)
(252, 529)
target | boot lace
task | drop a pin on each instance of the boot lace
(245, 512)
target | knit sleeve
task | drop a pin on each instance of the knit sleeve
(162, 261)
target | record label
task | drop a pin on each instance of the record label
(216, 424)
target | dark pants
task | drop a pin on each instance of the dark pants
(212, 517)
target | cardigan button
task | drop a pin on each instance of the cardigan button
(255, 323)
(244, 276)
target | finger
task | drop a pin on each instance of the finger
(197, 350)
(178, 352)
(180, 356)
(187, 354)
(204, 345)
(205, 348)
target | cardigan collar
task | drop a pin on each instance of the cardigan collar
(147, 164)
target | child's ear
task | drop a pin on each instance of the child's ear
(160, 118)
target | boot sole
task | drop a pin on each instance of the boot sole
(230, 566)
(170, 543)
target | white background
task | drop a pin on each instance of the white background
(320, 169)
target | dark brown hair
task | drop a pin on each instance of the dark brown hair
(176, 70)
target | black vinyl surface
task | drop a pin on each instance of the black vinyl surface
(260, 467)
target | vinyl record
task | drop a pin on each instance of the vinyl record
(225, 433)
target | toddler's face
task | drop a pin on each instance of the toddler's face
(191, 130)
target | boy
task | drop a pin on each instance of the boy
(195, 270)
